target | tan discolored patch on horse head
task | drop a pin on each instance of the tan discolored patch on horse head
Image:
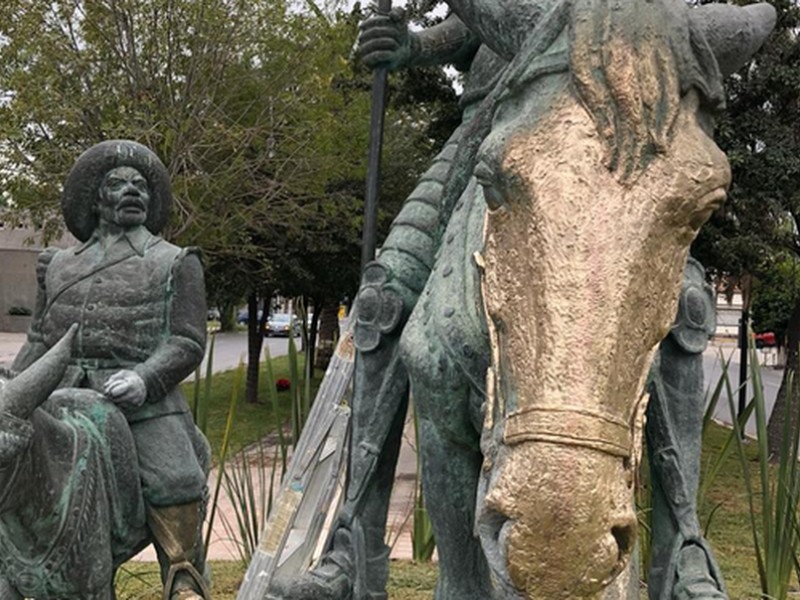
(581, 279)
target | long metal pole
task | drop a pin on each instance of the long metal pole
(743, 343)
(379, 79)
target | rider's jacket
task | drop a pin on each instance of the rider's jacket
(139, 302)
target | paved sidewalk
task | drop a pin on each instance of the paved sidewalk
(399, 524)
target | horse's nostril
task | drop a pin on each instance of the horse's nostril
(491, 524)
(625, 536)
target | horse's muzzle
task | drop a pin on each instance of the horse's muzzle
(558, 521)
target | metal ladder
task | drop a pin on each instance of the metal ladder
(312, 488)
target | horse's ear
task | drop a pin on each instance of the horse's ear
(21, 395)
(734, 33)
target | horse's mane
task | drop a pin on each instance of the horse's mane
(629, 61)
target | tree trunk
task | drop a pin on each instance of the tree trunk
(779, 412)
(227, 316)
(255, 338)
(327, 334)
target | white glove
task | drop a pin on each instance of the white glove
(126, 388)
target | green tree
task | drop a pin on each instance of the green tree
(235, 97)
(422, 113)
(258, 111)
(775, 294)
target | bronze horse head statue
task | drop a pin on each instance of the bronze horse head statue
(598, 167)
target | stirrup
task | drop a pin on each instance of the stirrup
(188, 568)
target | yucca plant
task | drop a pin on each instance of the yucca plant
(423, 542)
(250, 484)
(232, 403)
(298, 418)
(252, 479)
(271, 393)
(774, 501)
(714, 467)
(200, 407)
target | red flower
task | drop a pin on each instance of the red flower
(283, 384)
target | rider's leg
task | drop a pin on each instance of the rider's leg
(450, 470)
(389, 291)
(174, 488)
(451, 461)
(177, 530)
(681, 560)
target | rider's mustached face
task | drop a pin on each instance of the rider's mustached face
(124, 198)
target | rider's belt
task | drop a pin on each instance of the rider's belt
(571, 426)
(96, 364)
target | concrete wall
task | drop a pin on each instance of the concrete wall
(19, 249)
(17, 286)
(728, 316)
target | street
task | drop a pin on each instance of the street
(230, 349)
(712, 365)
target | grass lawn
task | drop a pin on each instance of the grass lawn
(729, 530)
(253, 421)
(139, 581)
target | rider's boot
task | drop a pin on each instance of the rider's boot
(682, 564)
(695, 577)
(177, 533)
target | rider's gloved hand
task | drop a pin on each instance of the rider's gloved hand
(126, 388)
(385, 41)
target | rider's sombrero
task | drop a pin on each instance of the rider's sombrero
(83, 183)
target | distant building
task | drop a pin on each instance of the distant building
(19, 249)
(729, 313)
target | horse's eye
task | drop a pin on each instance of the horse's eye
(486, 178)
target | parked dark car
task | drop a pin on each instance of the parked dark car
(281, 324)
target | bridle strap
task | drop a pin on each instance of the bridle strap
(570, 426)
